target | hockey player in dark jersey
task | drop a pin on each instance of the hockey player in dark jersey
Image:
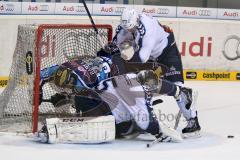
(78, 77)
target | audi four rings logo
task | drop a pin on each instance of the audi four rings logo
(204, 12)
(119, 9)
(162, 11)
(80, 9)
(235, 49)
(43, 7)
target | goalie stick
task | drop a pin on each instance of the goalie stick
(94, 26)
(178, 119)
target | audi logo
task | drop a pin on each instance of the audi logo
(163, 11)
(119, 10)
(80, 9)
(8, 7)
(204, 12)
(230, 40)
(43, 8)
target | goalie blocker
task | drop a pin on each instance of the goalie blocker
(78, 130)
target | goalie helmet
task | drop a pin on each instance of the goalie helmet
(64, 77)
(129, 18)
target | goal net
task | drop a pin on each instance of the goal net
(39, 47)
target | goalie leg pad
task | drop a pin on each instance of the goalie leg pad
(81, 129)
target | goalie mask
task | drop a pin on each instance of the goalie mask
(64, 77)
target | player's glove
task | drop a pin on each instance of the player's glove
(111, 48)
(108, 50)
(103, 53)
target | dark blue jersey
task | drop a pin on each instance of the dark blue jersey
(89, 71)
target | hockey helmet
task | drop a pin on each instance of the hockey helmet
(64, 77)
(129, 18)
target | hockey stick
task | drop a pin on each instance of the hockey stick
(177, 119)
(93, 24)
(160, 139)
(168, 135)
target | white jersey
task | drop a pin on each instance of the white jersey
(126, 98)
(149, 39)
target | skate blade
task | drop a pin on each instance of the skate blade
(196, 134)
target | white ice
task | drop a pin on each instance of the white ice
(219, 116)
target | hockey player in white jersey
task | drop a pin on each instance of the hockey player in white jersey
(134, 93)
(152, 41)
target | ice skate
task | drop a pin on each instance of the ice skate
(187, 99)
(192, 129)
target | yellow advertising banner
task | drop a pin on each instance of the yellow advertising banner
(3, 81)
(192, 75)
(211, 75)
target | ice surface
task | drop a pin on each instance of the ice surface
(219, 116)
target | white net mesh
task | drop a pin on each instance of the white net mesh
(57, 44)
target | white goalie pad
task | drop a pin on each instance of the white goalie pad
(81, 129)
